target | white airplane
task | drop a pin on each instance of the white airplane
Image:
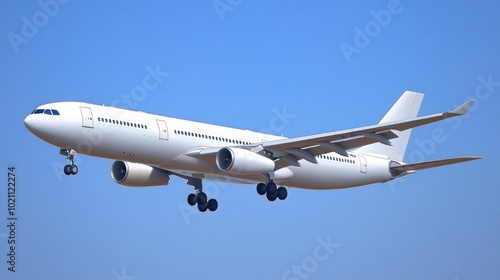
(148, 149)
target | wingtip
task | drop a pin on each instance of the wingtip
(475, 157)
(471, 158)
(464, 108)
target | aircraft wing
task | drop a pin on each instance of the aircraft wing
(290, 151)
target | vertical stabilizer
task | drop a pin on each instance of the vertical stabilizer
(406, 107)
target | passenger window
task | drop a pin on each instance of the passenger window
(47, 112)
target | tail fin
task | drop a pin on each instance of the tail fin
(406, 107)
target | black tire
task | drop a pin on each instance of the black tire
(261, 188)
(73, 169)
(282, 193)
(67, 169)
(271, 187)
(201, 198)
(203, 207)
(212, 205)
(271, 196)
(191, 199)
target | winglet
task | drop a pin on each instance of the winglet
(462, 109)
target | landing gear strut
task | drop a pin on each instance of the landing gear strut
(200, 198)
(69, 169)
(272, 191)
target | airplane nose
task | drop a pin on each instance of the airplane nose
(31, 123)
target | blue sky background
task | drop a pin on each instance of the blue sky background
(242, 64)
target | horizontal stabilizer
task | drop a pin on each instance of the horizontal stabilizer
(430, 164)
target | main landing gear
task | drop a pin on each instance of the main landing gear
(200, 198)
(272, 191)
(69, 169)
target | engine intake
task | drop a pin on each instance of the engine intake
(241, 161)
(138, 175)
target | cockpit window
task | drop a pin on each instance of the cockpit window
(46, 112)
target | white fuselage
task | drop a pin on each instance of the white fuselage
(164, 142)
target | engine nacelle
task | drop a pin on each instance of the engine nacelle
(241, 161)
(138, 175)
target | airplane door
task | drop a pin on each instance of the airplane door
(362, 162)
(162, 127)
(87, 119)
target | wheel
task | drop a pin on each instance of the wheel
(202, 207)
(271, 187)
(282, 193)
(212, 205)
(67, 169)
(201, 198)
(271, 196)
(261, 188)
(191, 199)
(73, 169)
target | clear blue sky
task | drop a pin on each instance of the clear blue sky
(237, 63)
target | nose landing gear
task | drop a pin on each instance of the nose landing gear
(69, 169)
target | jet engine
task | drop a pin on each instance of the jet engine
(241, 161)
(138, 175)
